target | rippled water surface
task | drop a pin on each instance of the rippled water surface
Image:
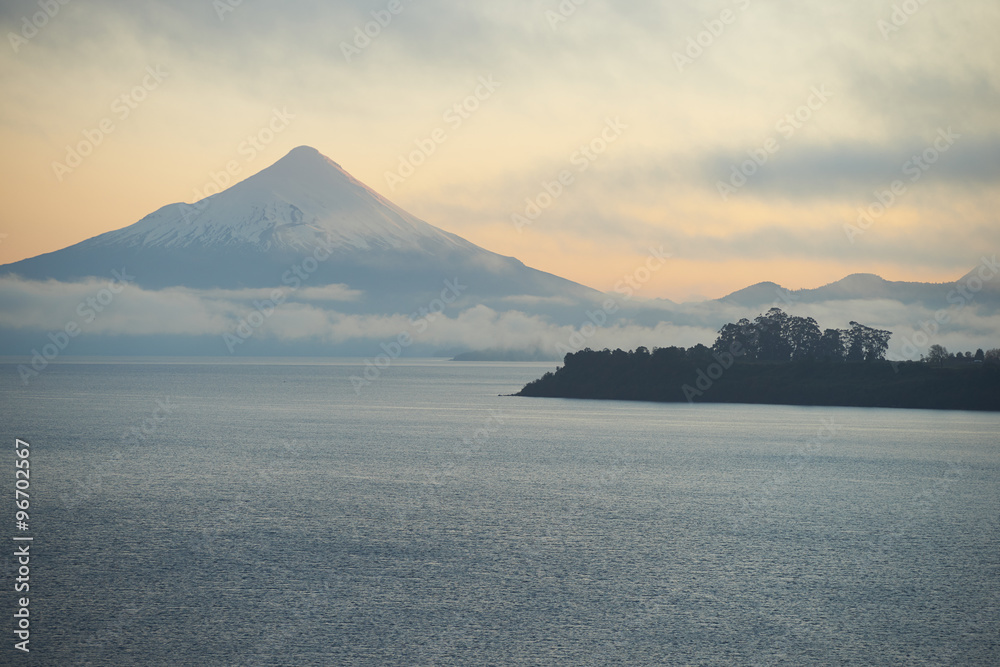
(267, 513)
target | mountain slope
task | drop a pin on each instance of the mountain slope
(303, 198)
(304, 206)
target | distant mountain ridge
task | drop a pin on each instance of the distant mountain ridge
(868, 286)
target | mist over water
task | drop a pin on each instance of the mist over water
(267, 513)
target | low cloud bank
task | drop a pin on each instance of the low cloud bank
(115, 308)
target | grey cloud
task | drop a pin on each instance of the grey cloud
(848, 168)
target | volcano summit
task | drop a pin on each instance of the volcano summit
(304, 205)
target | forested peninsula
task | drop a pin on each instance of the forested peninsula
(784, 360)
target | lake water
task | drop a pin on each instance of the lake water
(235, 513)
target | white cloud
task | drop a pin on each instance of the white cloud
(95, 309)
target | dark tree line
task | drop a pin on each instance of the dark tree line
(719, 374)
(697, 374)
(939, 354)
(777, 336)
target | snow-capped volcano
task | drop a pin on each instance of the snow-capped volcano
(252, 233)
(303, 199)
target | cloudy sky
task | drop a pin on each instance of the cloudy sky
(743, 135)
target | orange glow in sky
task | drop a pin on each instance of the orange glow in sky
(111, 112)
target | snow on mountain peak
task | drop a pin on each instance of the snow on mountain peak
(300, 200)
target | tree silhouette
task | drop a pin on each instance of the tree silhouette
(771, 329)
(738, 338)
(830, 346)
(866, 343)
(776, 336)
(937, 354)
(803, 335)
